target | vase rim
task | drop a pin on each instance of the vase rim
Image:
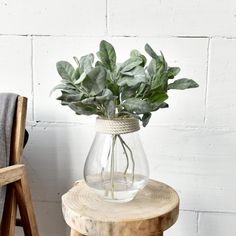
(116, 118)
(117, 125)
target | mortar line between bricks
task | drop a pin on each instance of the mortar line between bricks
(207, 80)
(107, 19)
(170, 126)
(173, 36)
(121, 36)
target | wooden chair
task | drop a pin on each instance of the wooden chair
(15, 177)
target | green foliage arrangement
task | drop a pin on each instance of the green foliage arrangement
(110, 90)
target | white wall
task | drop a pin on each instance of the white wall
(191, 145)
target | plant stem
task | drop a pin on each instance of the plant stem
(131, 155)
(113, 165)
(126, 154)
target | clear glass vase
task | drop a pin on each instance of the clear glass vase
(116, 166)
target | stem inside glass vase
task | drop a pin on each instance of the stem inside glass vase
(127, 151)
(116, 166)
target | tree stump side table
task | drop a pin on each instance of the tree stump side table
(154, 209)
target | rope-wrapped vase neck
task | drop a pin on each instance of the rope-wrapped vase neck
(117, 125)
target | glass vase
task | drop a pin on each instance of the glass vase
(116, 167)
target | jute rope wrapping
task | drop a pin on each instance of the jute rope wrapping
(117, 125)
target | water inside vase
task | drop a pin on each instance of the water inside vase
(119, 188)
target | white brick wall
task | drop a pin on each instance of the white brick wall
(191, 145)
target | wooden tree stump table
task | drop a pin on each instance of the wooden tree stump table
(154, 209)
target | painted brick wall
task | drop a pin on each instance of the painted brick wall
(191, 145)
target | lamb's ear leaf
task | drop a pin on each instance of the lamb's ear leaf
(155, 67)
(133, 78)
(81, 78)
(136, 53)
(95, 81)
(76, 74)
(65, 70)
(150, 51)
(137, 106)
(158, 97)
(130, 64)
(172, 72)
(67, 98)
(98, 63)
(183, 84)
(76, 60)
(62, 87)
(83, 109)
(145, 118)
(107, 55)
(86, 63)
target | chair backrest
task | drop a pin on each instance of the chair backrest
(18, 193)
(18, 131)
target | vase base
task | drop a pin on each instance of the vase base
(116, 196)
(124, 189)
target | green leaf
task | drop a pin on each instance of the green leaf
(154, 66)
(68, 82)
(158, 97)
(133, 78)
(95, 81)
(159, 59)
(98, 63)
(142, 90)
(137, 105)
(151, 52)
(157, 106)
(160, 81)
(145, 118)
(164, 105)
(81, 78)
(162, 59)
(83, 109)
(183, 84)
(107, 55)
(105, 96)
(67, 98)
(62, 87)
(127, 92)
(86, 63)
(76, 74)
(136, 53)
(130, 64)
(113, 87)
(65, 70)
(90, 101)
(76, 60)
(172, 72)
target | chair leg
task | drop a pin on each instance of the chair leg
(24, 202)
(75, 233)
(9, 212)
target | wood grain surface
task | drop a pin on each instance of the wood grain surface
(154, 209)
